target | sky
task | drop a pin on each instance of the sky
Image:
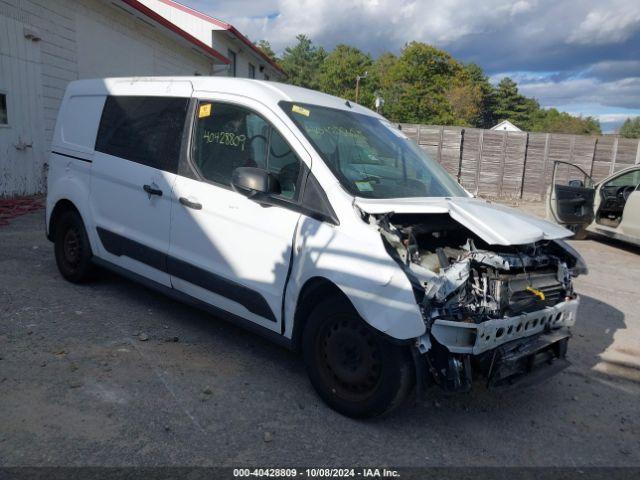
(580, 56)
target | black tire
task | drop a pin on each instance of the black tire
(72, 248)
(354, 369)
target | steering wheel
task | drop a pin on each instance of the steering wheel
(624, 192)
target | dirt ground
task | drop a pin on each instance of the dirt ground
(80, 385)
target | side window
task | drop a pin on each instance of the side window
(146, 130)
(626, 180)
(228, 136)
(284, 164)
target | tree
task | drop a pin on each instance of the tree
(426, 85)
(339, 70)
(630, 128)
(265, 46)
(465, 100)
(302, 62)
(551, 120)
(511, 105)
(485, 117)
(421, 77)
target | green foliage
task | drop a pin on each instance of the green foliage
(486, 108)
(630, 128)
(426, 85)
(422, 76)
(302, 63)
(511, 105)
(552, 120)
(339, 70)
(265, 46)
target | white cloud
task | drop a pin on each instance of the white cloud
(615, 117)
(613, 23)
(624, 93)
(562, 52)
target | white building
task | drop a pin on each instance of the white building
(44, 44)
(507, 126)
(246, 60)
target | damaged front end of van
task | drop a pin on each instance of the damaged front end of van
(494, 286)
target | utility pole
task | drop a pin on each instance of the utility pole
(358, 78)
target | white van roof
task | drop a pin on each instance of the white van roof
(269, 93)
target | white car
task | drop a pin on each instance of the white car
(313, 221)
(610, 207)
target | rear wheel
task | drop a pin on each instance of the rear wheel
(354, 368)
(72, 248)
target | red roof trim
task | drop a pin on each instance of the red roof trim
(225, 26)
(136, 5)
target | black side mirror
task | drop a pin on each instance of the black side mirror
(255, 183)
(576, 183)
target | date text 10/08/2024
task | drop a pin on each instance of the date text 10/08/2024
(316, 472)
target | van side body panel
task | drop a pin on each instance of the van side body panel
(352, 256)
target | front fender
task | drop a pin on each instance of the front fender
(358, 264)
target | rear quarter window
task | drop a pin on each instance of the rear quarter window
(145, 130)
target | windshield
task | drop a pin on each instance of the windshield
(369, 157)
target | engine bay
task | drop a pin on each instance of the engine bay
(475, 297)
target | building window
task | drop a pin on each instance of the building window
(252, 71)
(145, 130)
(231, 55)
(4, 119)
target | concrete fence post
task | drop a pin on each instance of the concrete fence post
(524, 165)
(614, 154)
(503, 159)
(460, 157)
(593, 157)
(440, 142)
(545, 161)
(479, 161)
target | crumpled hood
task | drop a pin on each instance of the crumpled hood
(495, 224)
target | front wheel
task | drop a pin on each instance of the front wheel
(72, 248)
(355, 370)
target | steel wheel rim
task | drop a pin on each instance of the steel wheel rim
(349, 358)
(71, 247)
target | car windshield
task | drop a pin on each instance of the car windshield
(369, 156)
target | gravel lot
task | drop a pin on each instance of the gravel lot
(79, 385)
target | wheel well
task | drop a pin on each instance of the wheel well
(313, 291)
(61, 207)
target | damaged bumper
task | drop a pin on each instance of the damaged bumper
(527, 362)
(471, 338)
(513, 351)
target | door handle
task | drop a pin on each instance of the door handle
(152, 191)
(189, 204)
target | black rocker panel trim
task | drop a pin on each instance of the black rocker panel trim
(189, 300)
(250, 299)
(118, 245)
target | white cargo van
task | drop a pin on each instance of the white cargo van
(315, 222)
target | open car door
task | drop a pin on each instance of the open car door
(571, 196)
